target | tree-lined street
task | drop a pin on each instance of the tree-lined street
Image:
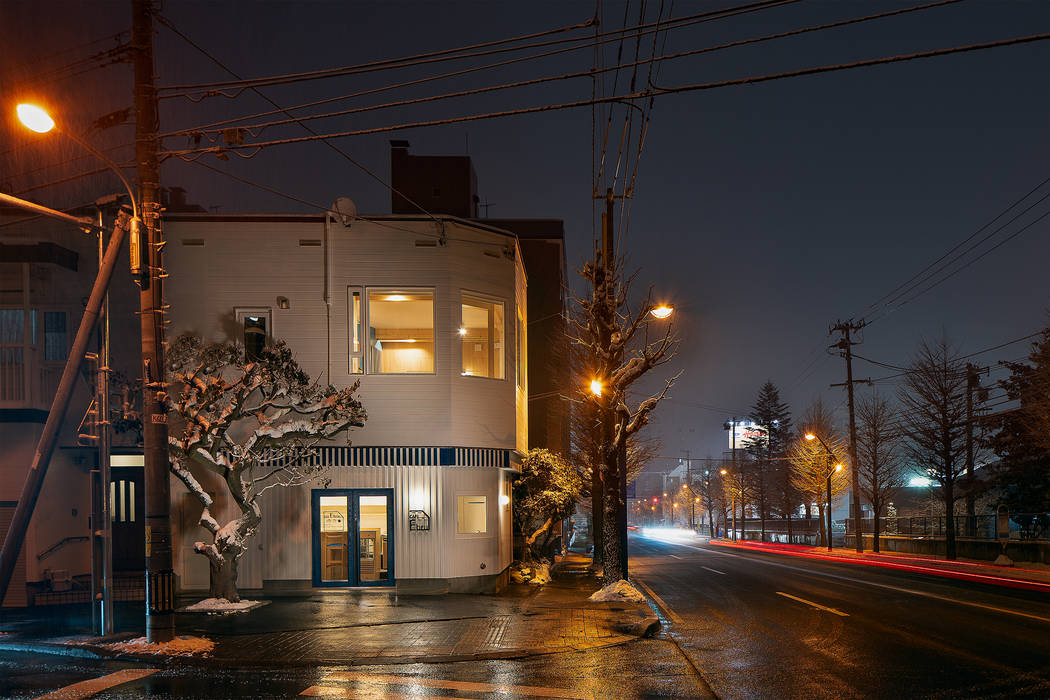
(770, 626)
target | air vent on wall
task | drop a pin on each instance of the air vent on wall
(426, 243)
(198, 242)
(310, 242)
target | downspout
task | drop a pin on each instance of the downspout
(326, 295)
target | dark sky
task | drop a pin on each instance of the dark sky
(763, 212)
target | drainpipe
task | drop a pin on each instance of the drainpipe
(326, 295)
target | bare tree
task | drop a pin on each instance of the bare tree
(933, 399)
(811, 465)
(619, 351)
(251, 425)
(881, 463)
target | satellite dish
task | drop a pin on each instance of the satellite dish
(345, 208)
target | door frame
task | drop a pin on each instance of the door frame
(353, 511)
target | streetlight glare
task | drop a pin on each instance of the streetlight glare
(662, 311)
(35, 118)
(811, 436)
(723, 472)
(596, 387)
(838, 467)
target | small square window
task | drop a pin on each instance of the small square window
(471, 515)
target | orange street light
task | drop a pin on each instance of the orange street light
(723, 472)
(662, 311)
(596, 387)
(37, 119)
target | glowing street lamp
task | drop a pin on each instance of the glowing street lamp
(596, 387)
(36, 118)
(662, 311)
(838, 467)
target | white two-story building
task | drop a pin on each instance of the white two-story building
(429, 314)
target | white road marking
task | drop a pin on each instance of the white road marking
(714, 570)
(93, 686)
(887, 586)
(815, 605)
(659, 601)
(393, 679)
(675, 556)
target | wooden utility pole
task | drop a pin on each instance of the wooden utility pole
(160, 579)
(846, 345)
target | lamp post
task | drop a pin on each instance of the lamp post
(147, 270)
(838, 468)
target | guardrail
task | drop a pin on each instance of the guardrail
(1023, 526)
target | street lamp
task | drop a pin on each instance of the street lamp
(662, 311)
(146, 268)
(838, 468)
(596, 388)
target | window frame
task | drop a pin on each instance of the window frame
(485, 298)
(366, 324)
(489, 530)
(240, 313)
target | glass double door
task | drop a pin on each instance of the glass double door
(353, 537)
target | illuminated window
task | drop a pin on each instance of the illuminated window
(471, 515)
(481, 332)
(400, 331)
(256, 330)
(519, 350)
(355, 330)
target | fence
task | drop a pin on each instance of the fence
(1023, 526)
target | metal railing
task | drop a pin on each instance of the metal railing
(1023, 526)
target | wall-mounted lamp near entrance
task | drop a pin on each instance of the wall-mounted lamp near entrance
(283, 303)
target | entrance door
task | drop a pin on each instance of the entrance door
(352, 543)
(127, 501)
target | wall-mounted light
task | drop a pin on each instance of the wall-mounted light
(283, 303)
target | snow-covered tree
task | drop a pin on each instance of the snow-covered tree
(545, 493)
(615, 339)
(772, 419)
(251, 425)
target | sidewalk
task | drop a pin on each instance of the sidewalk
(377, 627)
(1024, 575)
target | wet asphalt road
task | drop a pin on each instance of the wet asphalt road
(892, 635)
(738, 624)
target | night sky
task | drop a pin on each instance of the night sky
(763, 212)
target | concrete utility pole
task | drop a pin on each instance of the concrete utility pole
(160, 579)
(101, 520)
(845, 345)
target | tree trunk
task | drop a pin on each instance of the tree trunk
(949, 520)
(875, 528)
(789, 526)
(597, 511)
(822, 534)
(527, 554)
(224, 579)
(612, 565)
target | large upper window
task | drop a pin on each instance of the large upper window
(400, 331)
(482, 334)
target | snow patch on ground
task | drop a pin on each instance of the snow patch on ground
(221, 606)
(537, 573)
(180, 646)
(621, 591)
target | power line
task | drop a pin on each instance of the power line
(908, 284)
(621, 98)
(167, 23)
(457, 53)
(213, 127)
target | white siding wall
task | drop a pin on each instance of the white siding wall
(252, 263)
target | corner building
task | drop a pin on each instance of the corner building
(429, 314)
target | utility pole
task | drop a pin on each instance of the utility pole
(972, 384)
(160, 579)
(101, 521)
(846, 345)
